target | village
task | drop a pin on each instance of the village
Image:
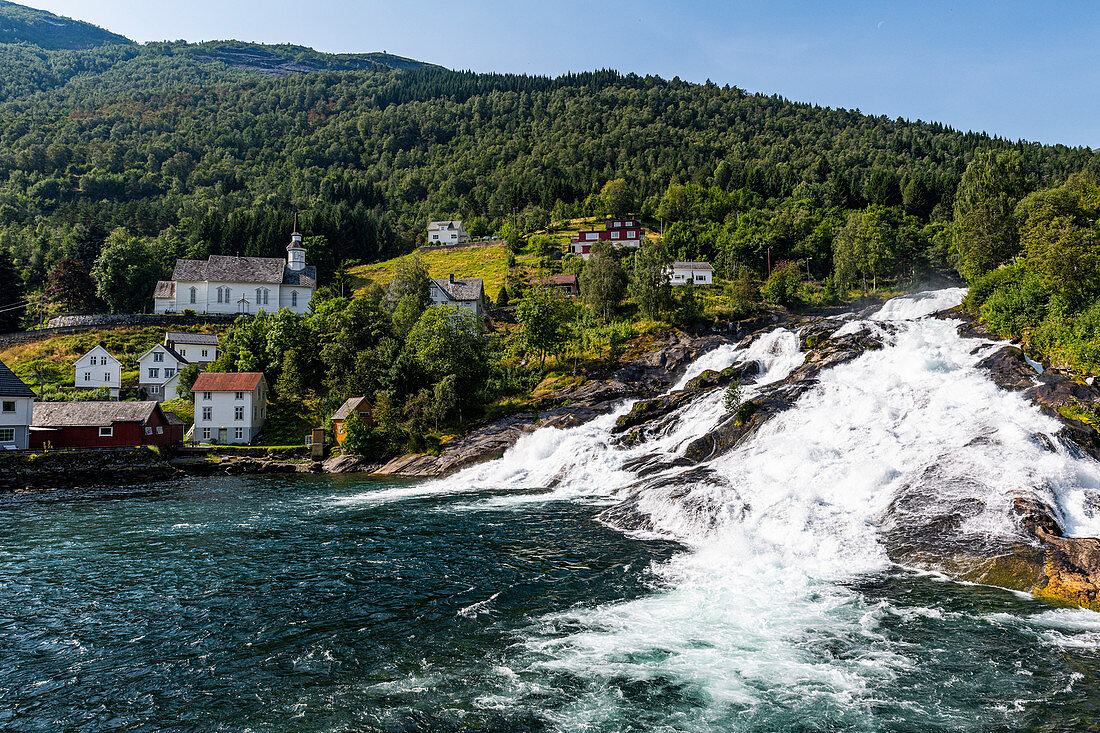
(101, 411)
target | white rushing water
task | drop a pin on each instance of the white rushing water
(783, 525)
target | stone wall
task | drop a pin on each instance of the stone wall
(66, 324)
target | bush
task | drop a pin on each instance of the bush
(783, 285)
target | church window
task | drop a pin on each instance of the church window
(219, 295)
(294, 299)
(266, 292)
(193, 293)
(259, 297)
(227, 300)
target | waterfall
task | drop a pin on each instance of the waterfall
(898, 443)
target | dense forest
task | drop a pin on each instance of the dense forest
(119, 158)
(193, 151)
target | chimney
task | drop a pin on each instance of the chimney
(452, 277)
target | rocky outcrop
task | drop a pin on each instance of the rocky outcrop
(77, 469)
(643, 375)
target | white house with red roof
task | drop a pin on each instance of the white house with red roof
(229, 408)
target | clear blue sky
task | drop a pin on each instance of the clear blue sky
(1015, 69)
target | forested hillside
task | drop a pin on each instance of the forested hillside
(20, 24)
(192, 155)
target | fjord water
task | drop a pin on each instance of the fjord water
(761, 598)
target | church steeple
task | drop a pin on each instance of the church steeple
(295, 252)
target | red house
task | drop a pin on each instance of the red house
(102, 425)
(620, 232)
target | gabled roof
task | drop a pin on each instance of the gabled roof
(11, 385)
(90, 414)
(170, 350)
(165, 289)
(172, 418)
(227, 382)
(188, 339)
(95, 350)
(461, 289)
(244, 271)
(692, 266)
(347, 407)
(452, 224)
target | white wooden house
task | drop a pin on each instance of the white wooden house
(461, 292)
(681, 273)
(446, 232)
(195, 348)
(16, 411)
(98, 369)
(229, 408)
(158, 372)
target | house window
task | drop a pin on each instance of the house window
(154, 389)
(193, 294)
(204, 353)
(87, 376)
(106, 432)
(591, 235)
(294, 299)
(238, 395)
(7, 435)
(207, 413)
(238, 413)
(158, 357)
(207, 395)
(93, 361)
(106, 377)
(206, 433)
(239, 433)
(160, 430)
(148, 430)
(169, 372)
(631, 235)
(615, 235)
(183, 352)
(154, 373)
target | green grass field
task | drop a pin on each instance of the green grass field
(489, 262)
(50, 360)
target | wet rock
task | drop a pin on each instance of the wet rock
(699, 497)
(348, 464)
(1009, 369)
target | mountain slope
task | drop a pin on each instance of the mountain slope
(20, 24)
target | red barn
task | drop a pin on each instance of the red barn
(102, 425)
(620, 232)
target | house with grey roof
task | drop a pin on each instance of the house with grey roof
(446, 232)
(226, 284)
(196, 348)
(697, 273)
(460, 292)
(16, 411)
(98, 368)
(159, 372)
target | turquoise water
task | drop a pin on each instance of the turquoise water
(255, 603)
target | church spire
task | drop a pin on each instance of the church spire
(295, 252)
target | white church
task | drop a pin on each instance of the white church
(225, 284)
